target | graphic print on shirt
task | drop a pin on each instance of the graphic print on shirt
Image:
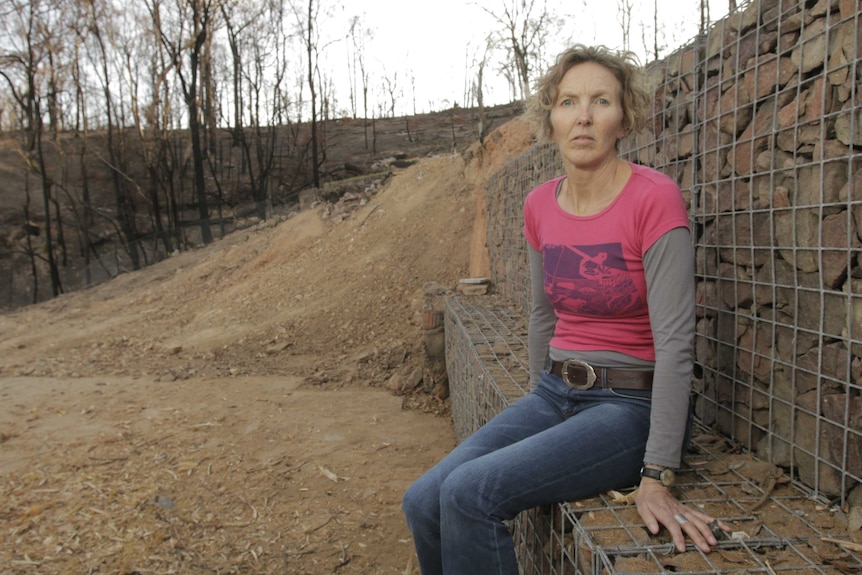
(590, 280)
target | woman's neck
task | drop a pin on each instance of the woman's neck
(588, 192)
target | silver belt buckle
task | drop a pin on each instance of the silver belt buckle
(591, 374)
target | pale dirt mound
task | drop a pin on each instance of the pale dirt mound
(224, 410)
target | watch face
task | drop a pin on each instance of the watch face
(667, 477)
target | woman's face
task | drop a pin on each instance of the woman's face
(587, 117)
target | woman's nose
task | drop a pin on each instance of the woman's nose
(584, 115)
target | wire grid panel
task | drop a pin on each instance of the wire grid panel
(777, 528)
(486, 348)
(504, 204)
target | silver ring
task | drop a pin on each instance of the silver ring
(680, 519)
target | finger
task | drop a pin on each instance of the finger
(696, 514)
(652, 524)
(719, 529)
(651, 521)
(675, 528)
(692, 526)
(716, 527)
(703, 535)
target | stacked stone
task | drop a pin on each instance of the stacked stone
(760, 122)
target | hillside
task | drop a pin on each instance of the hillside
(355, 155)
(228, 409)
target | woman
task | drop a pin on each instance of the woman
(610, 340)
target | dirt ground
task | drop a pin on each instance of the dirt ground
(250, 407)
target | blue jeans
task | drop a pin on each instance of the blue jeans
(555, 444)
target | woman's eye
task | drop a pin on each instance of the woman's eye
(603, 101)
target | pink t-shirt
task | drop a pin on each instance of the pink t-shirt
(594, 274)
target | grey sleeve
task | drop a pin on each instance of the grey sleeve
(542, 318)
(669, 268)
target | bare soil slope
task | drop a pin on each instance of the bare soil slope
(228, 410)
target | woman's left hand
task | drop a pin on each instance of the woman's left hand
(657, 506)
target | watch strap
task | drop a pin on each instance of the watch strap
(651, 473)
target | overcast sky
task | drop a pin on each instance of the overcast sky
(430, 47)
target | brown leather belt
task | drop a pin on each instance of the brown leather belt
(581, 376)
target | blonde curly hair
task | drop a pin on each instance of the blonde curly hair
(636, 100)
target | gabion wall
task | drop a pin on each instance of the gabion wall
(760, 122)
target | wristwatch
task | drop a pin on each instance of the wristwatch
(666, 475)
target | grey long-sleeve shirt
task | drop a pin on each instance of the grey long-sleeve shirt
(670, 299)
